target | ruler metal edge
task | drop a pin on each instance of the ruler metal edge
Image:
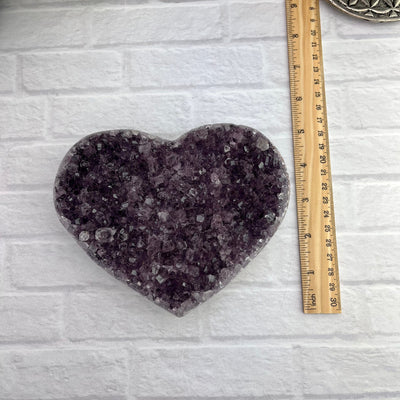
(314, 197)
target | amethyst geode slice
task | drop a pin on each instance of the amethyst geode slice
(175, 220)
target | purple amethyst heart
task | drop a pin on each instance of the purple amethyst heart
(175, 220)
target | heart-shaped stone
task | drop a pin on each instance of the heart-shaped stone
(175, 220)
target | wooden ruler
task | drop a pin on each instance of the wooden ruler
(315, 214)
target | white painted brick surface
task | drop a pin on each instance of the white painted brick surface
(166, 114)
(22, 118)
(379, 263)
(33, 164)
(41, 28)
(346, 370)
(267, 312)
(8, 73)
(61, 265)
(108, 315)
(18, 3)
(201, 66)
(247, 20)
(68, 330)
(4, 284)
(68, 70)
(380, 107)
(273, 266)
(34, 318)
(387, 299)
(345, 60)
(370, 214)
(370, 148)
(214, 371)
(51, 374)
(24, 213)
(246, 108)
(156, 24)
(275, 53)
(348, 27)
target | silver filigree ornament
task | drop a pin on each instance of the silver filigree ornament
(372, 10)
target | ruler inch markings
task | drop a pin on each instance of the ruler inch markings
(314, 199)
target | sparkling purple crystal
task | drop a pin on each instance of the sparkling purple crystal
(175, 220)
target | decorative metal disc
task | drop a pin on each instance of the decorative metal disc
(372, 10)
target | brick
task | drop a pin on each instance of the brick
(41, 28)
(345, 199)
(72, 70)
(4, 278)
(2, 173)
(327, 20)
(344, 60)
(335, 102)
(249, 107)
(196, 66)
(56, 374)
(233, 371)
(156, 24)
(372, 107)
(276, 53)
(350, 370)
(368, 257)
(28, 3)
(376, 397)
(54, 264)
(372, 162)
(28, 213)
(152, 113)
(278, 312)
(8, 73)
(377, 205)
(30, 318)
(248, 20)
(272, 265)
(121, 315)
(265, 110)
(34, 164)
(350, 27)
(22, 118)
(383, 302)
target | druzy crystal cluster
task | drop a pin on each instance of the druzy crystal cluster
(175, 220)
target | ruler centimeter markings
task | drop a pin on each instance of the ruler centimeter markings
(315, 213)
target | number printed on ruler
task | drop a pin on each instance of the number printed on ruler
(315, 212)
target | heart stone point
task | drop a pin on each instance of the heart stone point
(175, 220)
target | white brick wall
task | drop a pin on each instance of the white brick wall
(53, 374)
(22, 118)
(29, 29)
(70, 70)
(217, 66)
(70, 331)
(7, 73)
(165, 113)
(211, 371)
(156, 24)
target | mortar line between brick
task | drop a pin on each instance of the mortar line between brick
(156, 90)
(354, 396)
(361, 343)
